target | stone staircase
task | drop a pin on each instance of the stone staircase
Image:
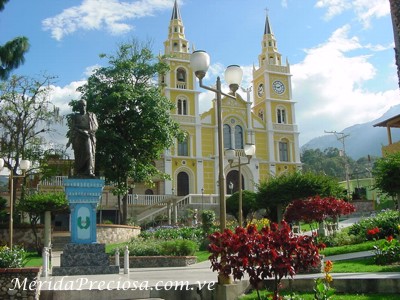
(59, 240)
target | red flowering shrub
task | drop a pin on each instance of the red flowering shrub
(273, 252)
(317, 209)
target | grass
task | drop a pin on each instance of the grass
(309, 296)
(365, 246)
(362, 265)
(202, 255)
(33, 260)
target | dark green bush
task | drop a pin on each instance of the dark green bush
(15, 258)
(387, 222)
(179, 248)
(154, 247)
(186, 233)
(207, 219)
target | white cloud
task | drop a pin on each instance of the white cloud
(329, 85)
(364, 9)
(112, 15)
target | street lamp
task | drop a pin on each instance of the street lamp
(23, 165)
(202, 200)
(200, 62)
(231, 154)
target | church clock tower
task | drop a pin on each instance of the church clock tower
(273, 104)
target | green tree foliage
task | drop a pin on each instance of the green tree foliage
(387, 175)
(249, 204)
(277, 192)
(25, 114)
(12, 52)
(35, 205)
(135, 125)
(330, 163)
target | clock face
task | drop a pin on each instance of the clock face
(278, 87)
(260, 90)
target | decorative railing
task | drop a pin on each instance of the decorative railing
(53, 181)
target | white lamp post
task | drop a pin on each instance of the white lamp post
(231, 154)
(24, 165)
(200, 62)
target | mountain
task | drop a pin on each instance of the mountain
(362, 139)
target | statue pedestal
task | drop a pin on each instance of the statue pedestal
(84, 256)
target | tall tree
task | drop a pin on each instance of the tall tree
(277, 192)
(12, 52)
(387, 175)
(135, 125)
(36, 204)
(25, 114)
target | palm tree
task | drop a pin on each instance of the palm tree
(395, 11)
(12, 52)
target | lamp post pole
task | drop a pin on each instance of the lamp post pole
(200, 62)
(231, 154)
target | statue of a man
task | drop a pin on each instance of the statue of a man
(82, 129)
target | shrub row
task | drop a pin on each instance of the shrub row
(154, 247)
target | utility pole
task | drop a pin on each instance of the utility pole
(340, 136)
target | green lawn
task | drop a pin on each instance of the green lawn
(368, 245)
(309, 296)
(362, 265)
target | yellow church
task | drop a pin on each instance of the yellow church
(269, 123)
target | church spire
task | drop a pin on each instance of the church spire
(267, 29)
(269, 53)
(176, 14)
(176, 42)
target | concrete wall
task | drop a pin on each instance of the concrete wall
(22, 236)
(108, 233)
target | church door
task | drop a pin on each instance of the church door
(183, 184)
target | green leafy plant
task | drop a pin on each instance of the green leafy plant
(207, 219)
(179, 248)
(386, 221)
(387, 251)
(322, 288)
(12, 258)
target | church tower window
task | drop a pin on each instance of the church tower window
(182, 107)
(281, 115)
(283, 151)
(183, 147)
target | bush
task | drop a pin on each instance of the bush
(179, 248)
(340, 238)
(154, 247)
(207, 219)
(387, 222)
(15, 258)
(387, 251)
(185, 233)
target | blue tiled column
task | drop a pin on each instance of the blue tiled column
(83, 197)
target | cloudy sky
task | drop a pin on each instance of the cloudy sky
(340, 51)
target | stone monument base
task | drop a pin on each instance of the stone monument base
(84, 259)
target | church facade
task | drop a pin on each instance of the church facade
(269, 123)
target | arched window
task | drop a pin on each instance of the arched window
(181, 74)
(182, 107)
(183, 184)
(183, 147)
(227, 137)
(283, 151)
(238, 137)
(281, 115)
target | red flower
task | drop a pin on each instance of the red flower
(373, 231)
(389, 238)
